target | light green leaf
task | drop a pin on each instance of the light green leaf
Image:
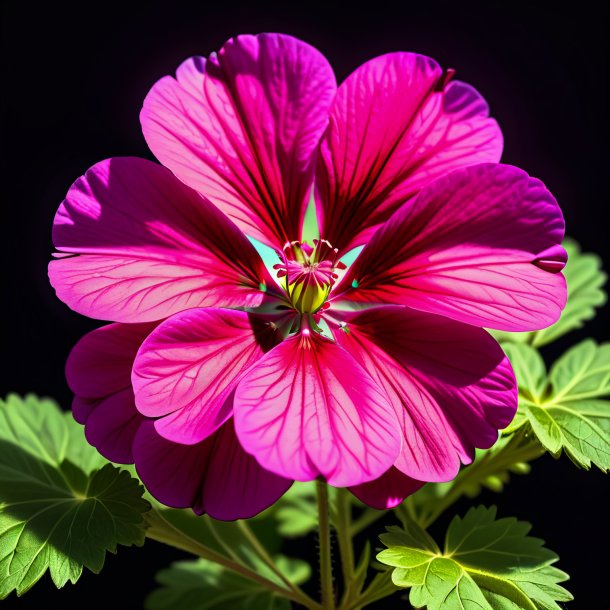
(582, 372)
(529, 369)
(569, 413)
(56, 515)
(481, 541)
(40, 427)
(409, 536)
(202, 585)
(585, 280)
(487, 564)
(297, 512)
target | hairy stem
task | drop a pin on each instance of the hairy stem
(161, 530)
(326, 573)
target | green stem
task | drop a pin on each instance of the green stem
(343, 527)
(221, 543)
(264, 556)
(161, 530)
(381, 587)
(326, 573)
(517, 449)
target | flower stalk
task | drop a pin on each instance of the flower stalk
(343, 527)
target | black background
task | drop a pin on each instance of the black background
(73, 84)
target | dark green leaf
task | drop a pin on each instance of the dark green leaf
(202, 585)
(54, 515)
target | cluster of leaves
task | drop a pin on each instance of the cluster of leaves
(565, 409)
(62, 506)
(486, 564)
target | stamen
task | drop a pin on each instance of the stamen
(309, 272)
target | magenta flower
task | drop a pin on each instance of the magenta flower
(378, 377)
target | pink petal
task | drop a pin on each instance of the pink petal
(215, 476)
(481, 246)
(98, 371)
(450, 383)
(395, 126)
(112, 425)
(243, 129)
(187, 369)
(148, 246)
(100, 363)
(308, 409)
(82, 408)
(388, 491)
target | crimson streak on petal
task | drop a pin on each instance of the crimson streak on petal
(243, 129)
(146, 246)
(395, 126)
(481, 245)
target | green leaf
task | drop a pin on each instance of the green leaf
(487, 564)
(40, 427)
(568, 413)
(202, 585)
(585, 279)
(57, 511)
(582, 372)
(529, 369)
(297, 512)
(410, 535)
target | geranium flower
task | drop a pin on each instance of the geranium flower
(378, 377)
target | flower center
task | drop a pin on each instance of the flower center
(308, 273)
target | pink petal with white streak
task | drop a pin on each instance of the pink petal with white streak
(187, 369)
